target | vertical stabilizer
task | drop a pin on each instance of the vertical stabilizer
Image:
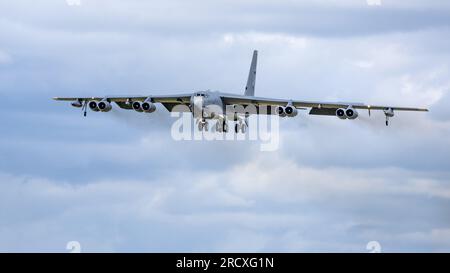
(250, 87)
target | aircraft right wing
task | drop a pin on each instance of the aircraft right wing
(125, 102)
(245, 100)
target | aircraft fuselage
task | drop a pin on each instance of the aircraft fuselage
(207, 105)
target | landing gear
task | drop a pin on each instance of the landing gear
(240, 126)
(221, 126)
(236, 128)
(84, 108)
(203, 125)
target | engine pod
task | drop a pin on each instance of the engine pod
(340, 113)
(291, 111)
(104, 106)
(93, 106)
(351, 113)
(137, 106)
(280, 111)
(148, 107)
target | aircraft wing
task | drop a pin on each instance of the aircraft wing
(317, 107)
(124, 102)
(180, 98)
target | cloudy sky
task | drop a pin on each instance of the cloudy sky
(119, 182)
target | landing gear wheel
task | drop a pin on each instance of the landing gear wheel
(236, 128)
(203, 125)
(225, 127)
(219, 128)
(243, 128)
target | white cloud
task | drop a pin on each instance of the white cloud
(245, 209)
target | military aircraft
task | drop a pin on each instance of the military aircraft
(208, 105)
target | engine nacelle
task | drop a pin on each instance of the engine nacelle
(137, 106)
(340, 113)
(148, 107)
(104, 106)
(351, 113)
(93, 106)
(280, 111)
(290, 111)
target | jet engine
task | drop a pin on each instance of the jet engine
(351, 113)
(280, 111)
(104, 106)
(93, 106)
(148, 107)
(290, 111)
(340, 113)
(137, 106)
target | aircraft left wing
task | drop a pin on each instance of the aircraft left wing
(245, 100)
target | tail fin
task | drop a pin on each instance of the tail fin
(250, 87)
